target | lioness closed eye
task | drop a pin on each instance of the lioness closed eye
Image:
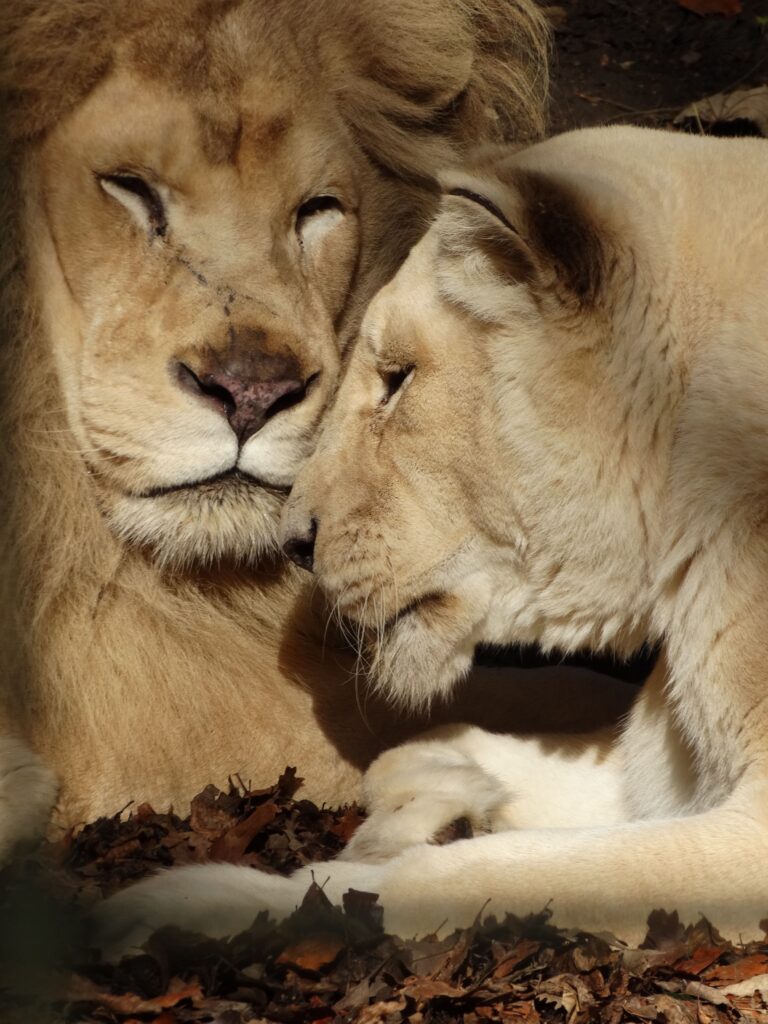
(553, 429)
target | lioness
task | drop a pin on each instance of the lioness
(201, 198)
(553, 429)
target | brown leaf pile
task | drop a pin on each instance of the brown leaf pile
(264, 828)
(330, 964)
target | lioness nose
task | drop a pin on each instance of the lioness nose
(300, 548)
(247, 384)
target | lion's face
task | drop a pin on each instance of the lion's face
(471, 483)
(212, 193)
(199, 259)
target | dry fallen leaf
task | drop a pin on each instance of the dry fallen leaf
(510, 961)
(728, 8)
(699, 960)
(739, 970)
(377, 1013)
(128, 1003)
(520, 1013)
(423, 989)
(207, 816)
(313, 953)
(232, 844)
(662, 1008)
(348, 823)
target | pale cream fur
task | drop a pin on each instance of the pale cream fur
(573, 449)
(154, 642)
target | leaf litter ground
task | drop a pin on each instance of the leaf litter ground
(327, 963)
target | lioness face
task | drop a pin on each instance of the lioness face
(197, 256)
(472, 477)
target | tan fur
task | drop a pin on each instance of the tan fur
(156, 646)
(554, 427)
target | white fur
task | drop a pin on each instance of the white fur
(275, 452)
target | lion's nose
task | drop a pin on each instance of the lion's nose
(300, 546)
(249, 386)
(250, 402)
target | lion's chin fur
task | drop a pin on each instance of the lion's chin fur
(228, 521)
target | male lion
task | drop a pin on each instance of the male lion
(202, 196)
(555, 428)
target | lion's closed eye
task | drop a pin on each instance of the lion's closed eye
(316, 216)
(138, 197)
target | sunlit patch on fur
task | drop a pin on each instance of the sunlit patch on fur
(420, 655)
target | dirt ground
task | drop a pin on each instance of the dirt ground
(642, 61)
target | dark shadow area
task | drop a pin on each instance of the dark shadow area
(634, 670)
(642, 61)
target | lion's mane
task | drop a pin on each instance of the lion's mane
(418, 82)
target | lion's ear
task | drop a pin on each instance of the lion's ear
(527, 228)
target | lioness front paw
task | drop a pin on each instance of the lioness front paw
(27, 795)
(413, 792)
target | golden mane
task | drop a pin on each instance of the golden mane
(414, 68)
(418, 82)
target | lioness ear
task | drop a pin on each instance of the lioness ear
(474, 225)
(529, 228)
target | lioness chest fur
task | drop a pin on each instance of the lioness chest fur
(554, 428)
